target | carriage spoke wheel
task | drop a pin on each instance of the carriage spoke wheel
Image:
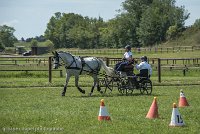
(106, 84)
(124, 87)
(120, 85)
(146, 87)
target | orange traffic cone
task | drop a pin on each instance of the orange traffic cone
(176, 119)
(103, 113)
(182, 100)
(153, 111)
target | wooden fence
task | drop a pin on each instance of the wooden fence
(17, 60)
(24, 61)
(157, 63)
(162, 63)
(165, 61)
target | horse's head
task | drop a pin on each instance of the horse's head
(56, 60)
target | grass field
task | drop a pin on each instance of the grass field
(36, 80)
(43, 110)
(30, 104)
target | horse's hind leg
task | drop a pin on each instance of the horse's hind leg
(98, 87)
(65, 87)
(90, 94)
(96, 83)
(76, 84)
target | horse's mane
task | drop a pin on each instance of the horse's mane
(61, 52)
(65, 52)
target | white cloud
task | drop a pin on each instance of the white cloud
(10, 23)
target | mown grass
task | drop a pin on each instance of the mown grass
(28, 100)
(76, 113)
(27, 80)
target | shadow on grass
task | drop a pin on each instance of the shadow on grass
(112, 95)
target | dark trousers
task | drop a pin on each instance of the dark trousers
(120, 65)
(143, 73)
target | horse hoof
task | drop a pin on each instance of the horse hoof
(90, 94)
(83, 91)
(63, 95)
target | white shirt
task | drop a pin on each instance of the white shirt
(144, 65)
(128, 54)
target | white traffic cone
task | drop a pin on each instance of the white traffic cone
(176, 119)
(103, 113)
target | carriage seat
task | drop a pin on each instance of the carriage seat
(143, 75)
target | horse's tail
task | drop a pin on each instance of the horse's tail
(109, 70)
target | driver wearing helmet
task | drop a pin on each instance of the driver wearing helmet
(126, 59)
(128, 54)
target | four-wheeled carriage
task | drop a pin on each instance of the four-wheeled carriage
(76, 66)
(125, 82)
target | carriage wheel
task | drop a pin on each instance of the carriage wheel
(124, 87)
(146, 87)
(105, 84)
(120, 84)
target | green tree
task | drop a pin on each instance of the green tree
(2, 47)
(7, 37)
(130, 19)
(172, 32)
(73, 30)
(160, 20)
(197, 23)
(49, 44)
(34, 43)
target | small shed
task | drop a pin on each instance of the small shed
(39, 50)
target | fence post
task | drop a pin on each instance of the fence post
(107, 61)
(159, 70)
(184, 71)
(50, 70)
(61, 74)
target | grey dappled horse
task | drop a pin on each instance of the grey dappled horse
(77, 66)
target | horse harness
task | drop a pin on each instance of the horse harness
(83, 63)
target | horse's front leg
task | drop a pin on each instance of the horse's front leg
(65, 87)
(76, 84)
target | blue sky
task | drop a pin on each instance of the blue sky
(30, 17)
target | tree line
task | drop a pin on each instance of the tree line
(138, 23)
